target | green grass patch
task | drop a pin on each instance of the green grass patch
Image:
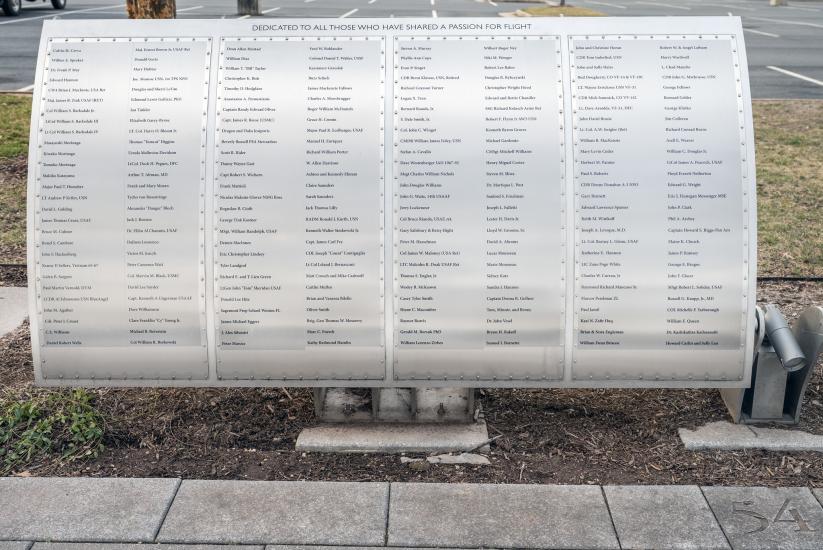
(15, 114)
(789, 141)
(46, 426)
(12, 218)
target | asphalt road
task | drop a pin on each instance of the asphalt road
(784, 44)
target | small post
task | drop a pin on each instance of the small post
(248, 7)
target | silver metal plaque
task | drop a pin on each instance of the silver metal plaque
(119, 182)
(298, 208)
(379, 202)
(479, 208)
(661, 232)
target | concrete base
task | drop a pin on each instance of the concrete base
(394, 438)
(462, 458)
(14, 308)
(730, 437)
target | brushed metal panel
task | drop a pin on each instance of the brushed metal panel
(479, 238)
(661, 208)
(298, 208)
(118, 210)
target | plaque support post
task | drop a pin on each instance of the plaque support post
(248, 7)
(778, 381)
(395, 420)
(399, 405)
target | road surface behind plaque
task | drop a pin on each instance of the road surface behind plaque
(785, 44)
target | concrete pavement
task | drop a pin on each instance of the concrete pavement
(784, 44)
(129, 514)
(726, 436)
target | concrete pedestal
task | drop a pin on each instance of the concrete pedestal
(394, 438)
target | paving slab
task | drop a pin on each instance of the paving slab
(99, 546)
(787, 440)
(499, 516)
(786, 518)
(462, 458)
(729, 437)
(278, 512)
(12, 545)
(83, 509)
(394, 438)
(663, 517)
(14, 307)
(284, 547)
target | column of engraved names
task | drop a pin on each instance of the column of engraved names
(479, 186)
(297, 183)
(118, 211)
(658, 158)
(165, 186)
(524, 189)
